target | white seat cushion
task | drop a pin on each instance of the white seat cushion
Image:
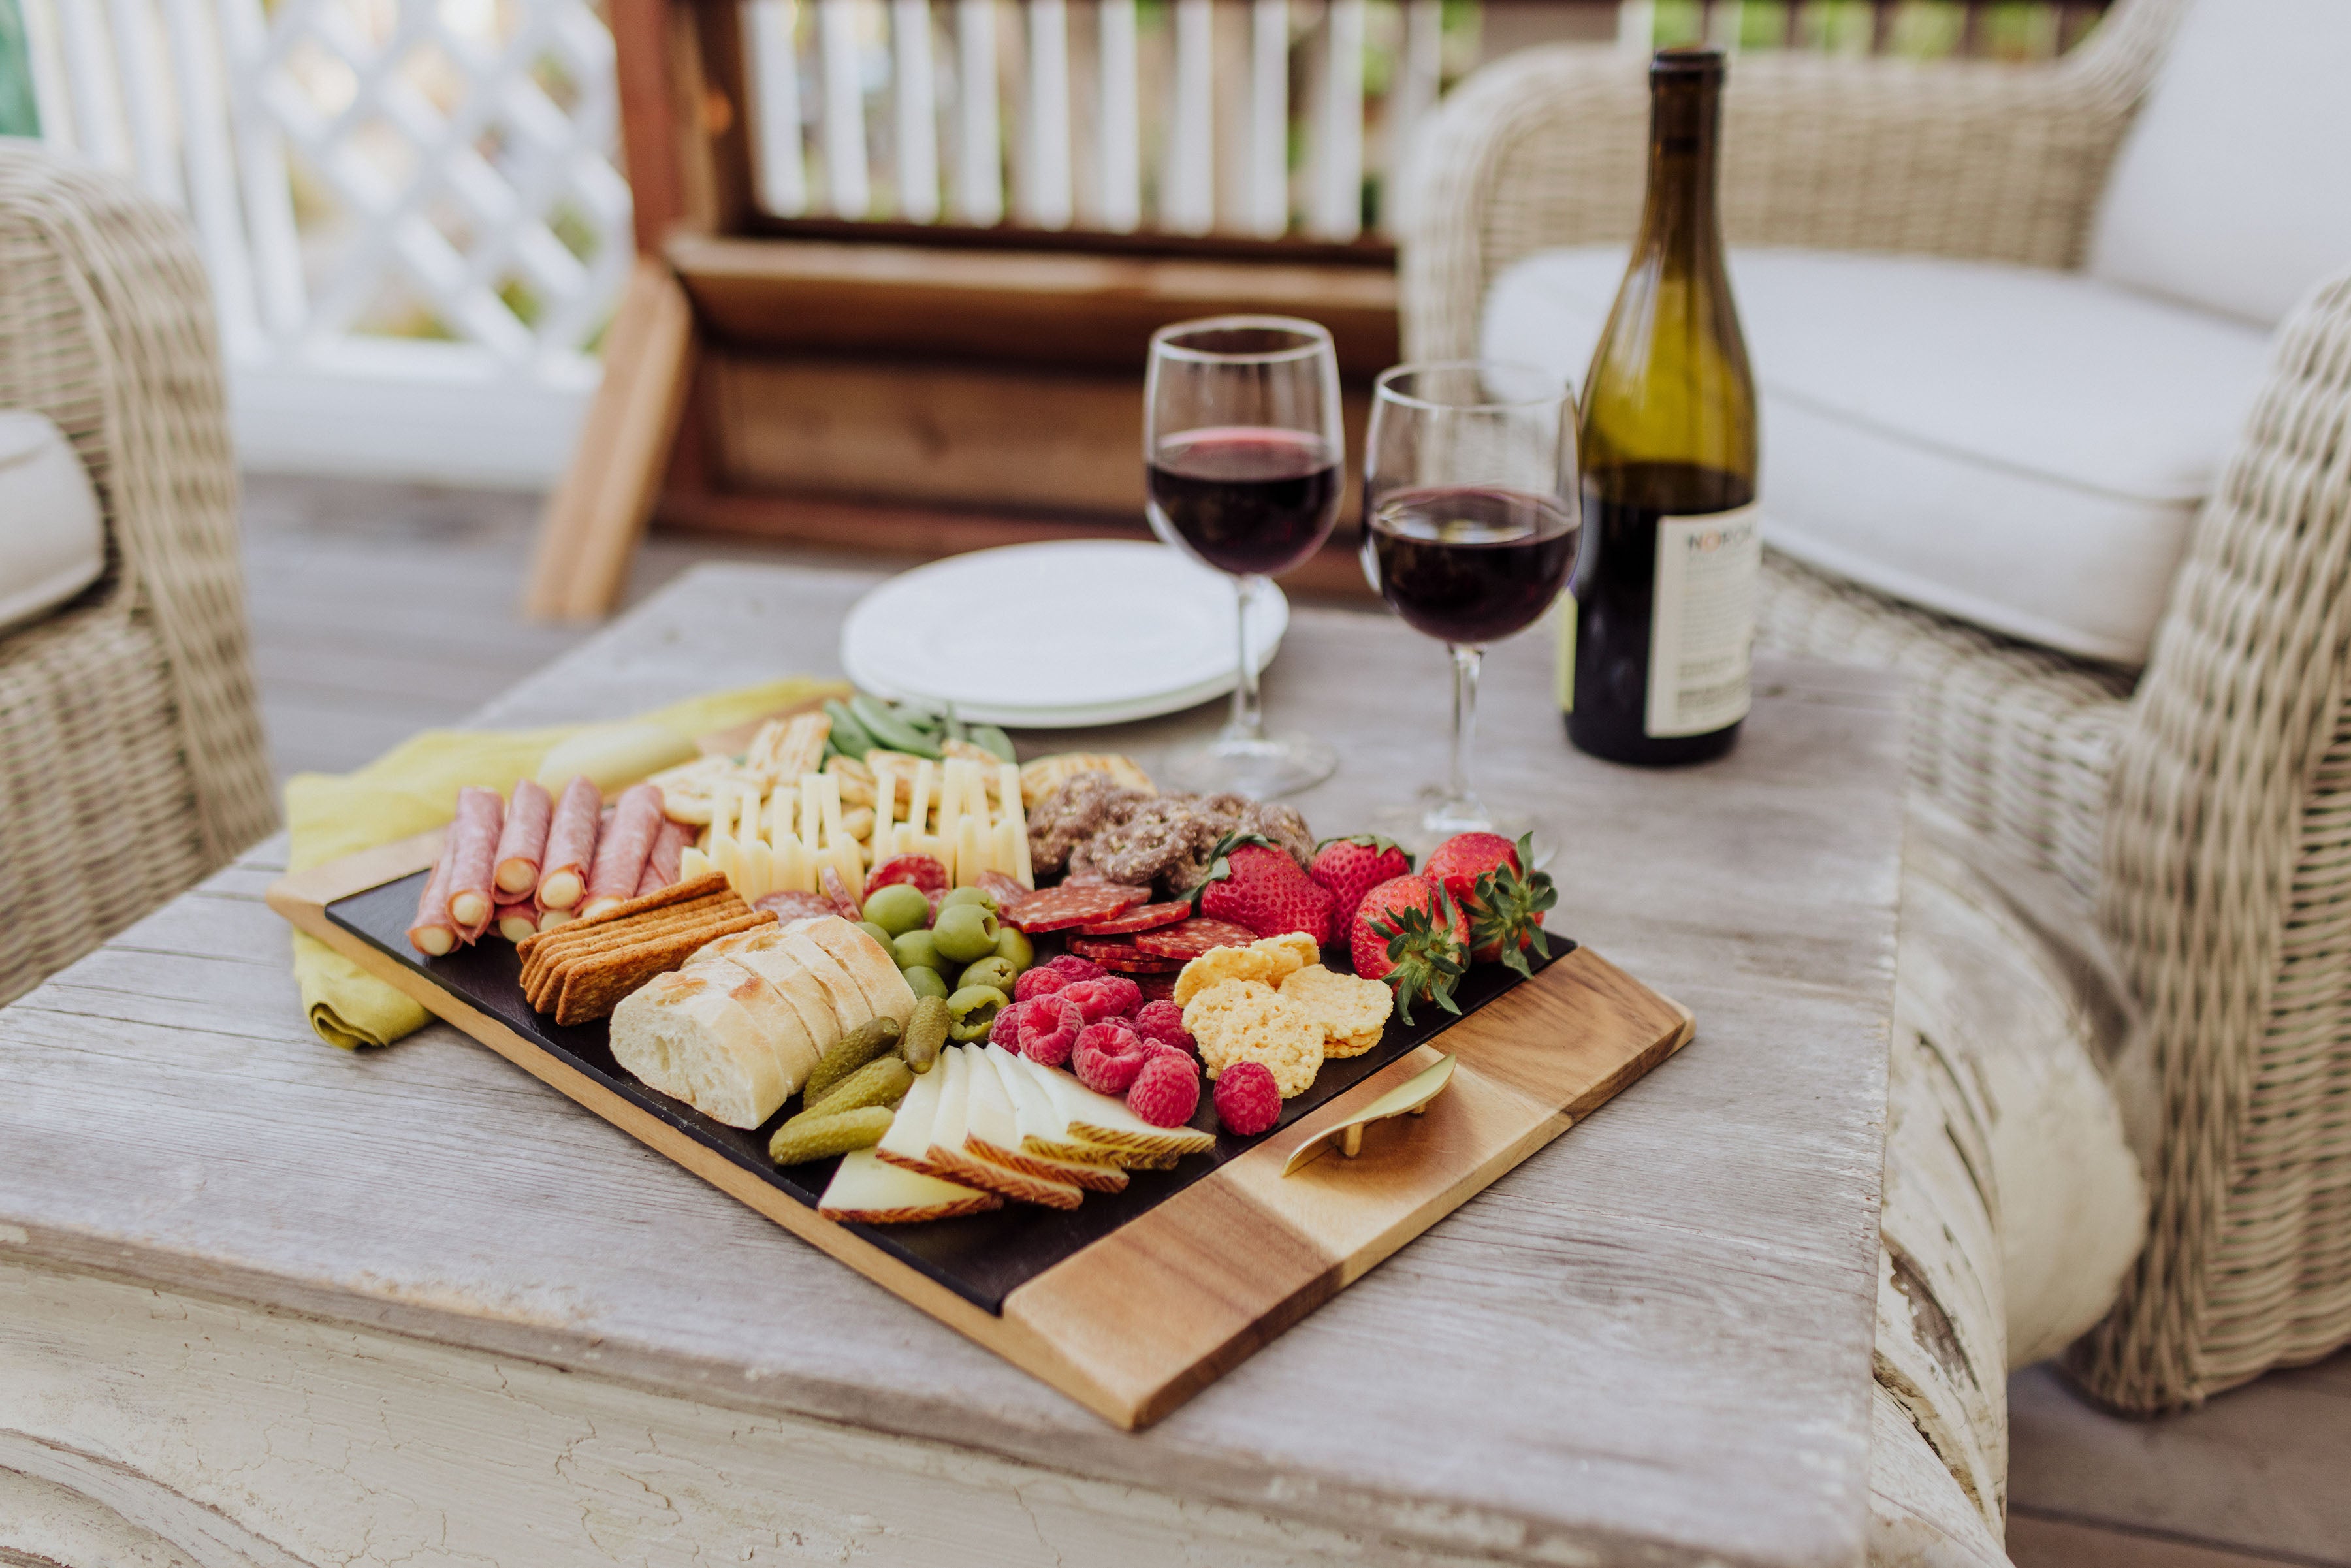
(2025, 450)
(2231, 191)
(52, 542)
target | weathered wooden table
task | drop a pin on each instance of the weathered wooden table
(272, 1304)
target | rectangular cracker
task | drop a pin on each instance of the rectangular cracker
(675, 893)
(593, 988)
(624, 933)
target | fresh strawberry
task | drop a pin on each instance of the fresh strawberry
(1488, 880)
(1409, 933)
(1253, 882)
(1351, 867)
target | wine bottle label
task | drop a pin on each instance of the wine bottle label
(1702, 631)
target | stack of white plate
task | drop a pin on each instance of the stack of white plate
(1056, 635)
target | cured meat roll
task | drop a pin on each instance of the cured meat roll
(624, 849)
(669, 847)
(523, 840)
(433, 933)
(472, 893)
(570, 845)
(517, 920)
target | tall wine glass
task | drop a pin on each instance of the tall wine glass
(1471, 528)
(1241, 449)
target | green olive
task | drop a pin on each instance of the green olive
(990, 971)
(923, 982)
(878, 932)
(898, 907)
(974, 1010)
(979, 895)
(1013, 947)
(965, 932)
(916, 949)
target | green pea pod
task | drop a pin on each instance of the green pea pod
(890, 730)
(995, 740)
(848, 734)
(956, 729)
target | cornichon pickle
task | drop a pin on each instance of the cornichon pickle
(803, 1139)
(881, 1082)
(973, 1010)
(858, 1047)
(926, 1031)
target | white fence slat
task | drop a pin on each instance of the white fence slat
(777, 156)
(915, 100)
(1410, 99)
(146, 100)
(263, 177)
(1122, 119)
(211, 167)
(1338, 204)
(1189, 205)
(52, 100)
(848, 193)
(1045, 184)
(99, 131)
(1637, 28)
(979, 168)
(1269, 121)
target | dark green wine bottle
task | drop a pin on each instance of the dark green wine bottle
(1658, 627)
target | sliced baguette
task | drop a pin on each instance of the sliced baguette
(849, 1004)
(1032, 1136)
(779, 1022)
(875, 971)
(761, 952)
(690, 1036)
(947, 1155)
(871, 1191)
(1099, 1119)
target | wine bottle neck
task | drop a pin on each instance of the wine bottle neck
(1678, 220)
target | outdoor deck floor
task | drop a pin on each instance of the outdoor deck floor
(378, 610)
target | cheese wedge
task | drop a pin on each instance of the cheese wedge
(992, 1131)
(690, 1036)
(1099, 1119)
(874, 971)
(848, 1003)
(907, 1144)
(1045, 1147)
(871, 1191)
(779, 1022)
(758, 950)
(948, 1156)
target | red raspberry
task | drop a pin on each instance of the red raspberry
(1040, 981)
(1166, 1092)
(1049, 1029)
(1110, 997)
(1247, 1101)
(1006, 1030)
(1075, 967)
(1109, 1056)
(1163, 1022)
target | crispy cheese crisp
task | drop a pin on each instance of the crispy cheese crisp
(1220, 964)
(1291, 952)
(1249, 1020)
(1351, 1010)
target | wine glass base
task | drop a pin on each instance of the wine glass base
(1422, 824)
(1260, 769)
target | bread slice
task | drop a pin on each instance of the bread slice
(687, 1034)
(761, 952)
(948, 1156)
(1020, 1128)
(779, 1022)
(1099, 1119)
(849, 1004)
(871, 1191)
(875, 971)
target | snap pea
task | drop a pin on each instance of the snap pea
(848, 734)
(994, 739)
(890, 730)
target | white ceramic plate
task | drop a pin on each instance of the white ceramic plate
(1055, 635)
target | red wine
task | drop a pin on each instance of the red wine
(1245, 498)
(1468, 563)
(1616, 607)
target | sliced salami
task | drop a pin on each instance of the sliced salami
(1144, 918)
(1192, 938)
(791, 904)
(1130, 962)
(922, 873)
(1158, 988)
(1060, 908)
(836, 892)
(1007, 891)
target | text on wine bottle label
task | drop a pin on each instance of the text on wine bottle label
(1702, 634)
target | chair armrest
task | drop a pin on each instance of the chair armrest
(1548, 147)
(2226, 896)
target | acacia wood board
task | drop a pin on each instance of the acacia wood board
(1134, 1301)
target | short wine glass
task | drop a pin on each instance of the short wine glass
(1471, 528)
(1241, 450)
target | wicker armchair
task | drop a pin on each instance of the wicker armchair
(2200, 806)
(131, 761)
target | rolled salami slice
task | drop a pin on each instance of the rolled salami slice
(661, 866)
(473, 891)
(570, 845)
(516, 921)
(433, 933)
(624, 848)
(523, 840)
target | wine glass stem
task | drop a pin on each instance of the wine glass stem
(1466, 661)
(1248, 720)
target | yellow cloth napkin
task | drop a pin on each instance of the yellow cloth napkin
(413, 787)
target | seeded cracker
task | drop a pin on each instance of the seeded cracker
(1249, 1020)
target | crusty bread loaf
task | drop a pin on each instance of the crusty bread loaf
(848, 1003)
(779, 1022)
(690, 1035)
(875, 971)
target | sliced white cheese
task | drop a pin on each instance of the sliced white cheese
(951, 1133)
(1099, 1119)
(907, 1144)
(952, 1119)
(1003, 1112)
(869, 1190)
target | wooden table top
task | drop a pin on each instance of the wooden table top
(1652, 1339)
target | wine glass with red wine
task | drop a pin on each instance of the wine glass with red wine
(1241, 449)
(1470, 526)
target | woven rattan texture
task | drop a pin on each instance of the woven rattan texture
(131, 761)
(2208, 811)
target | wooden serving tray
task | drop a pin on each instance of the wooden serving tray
(1133, 1302)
